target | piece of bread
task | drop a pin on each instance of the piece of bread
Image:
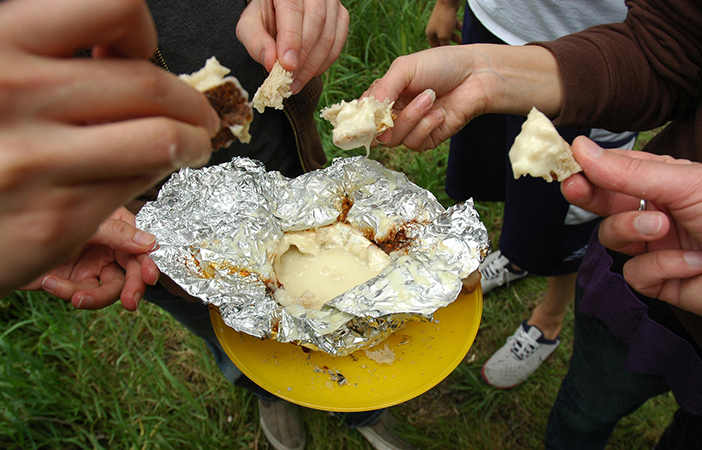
(471, 282)
(274, 89)
(358, 122)
(540, 151)
(228, 98)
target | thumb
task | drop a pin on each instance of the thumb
(121, 236)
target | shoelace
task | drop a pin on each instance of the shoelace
(523, 345)
(494, 269)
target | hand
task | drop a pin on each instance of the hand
(80, 137)
(666, 239)
(469, 80)
(443, 26)
(94, 278)
(306, 36)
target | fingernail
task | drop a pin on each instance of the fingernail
(295, 86)
(693, 258)
(86, 301)
(591, 148)
(426, 99)
(290, 57)
(214, 123)
(137, 299)
(648, 224)
(263, 57)
(144, 239)
(439, 113)
(49, 284)
(386, 139)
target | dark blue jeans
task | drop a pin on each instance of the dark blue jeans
(196, 318)
(598, 391)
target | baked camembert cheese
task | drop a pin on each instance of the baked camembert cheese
(314, 266)
(358, 122)
(228, 98)
(540, 151)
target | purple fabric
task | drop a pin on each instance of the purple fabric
(653, 349)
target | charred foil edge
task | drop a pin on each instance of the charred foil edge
(397, 238)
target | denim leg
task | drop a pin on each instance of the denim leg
(196, 318)
(683, 433)
(598, 389)
(355, 420)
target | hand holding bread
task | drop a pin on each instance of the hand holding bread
(305, 36)
(80, 137)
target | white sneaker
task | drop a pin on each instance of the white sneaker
(523, 353)
(495, 273)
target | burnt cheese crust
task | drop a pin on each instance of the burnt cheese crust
(232, 107)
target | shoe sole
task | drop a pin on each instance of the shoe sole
(482, 374)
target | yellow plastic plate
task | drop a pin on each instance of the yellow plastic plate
(425, 354)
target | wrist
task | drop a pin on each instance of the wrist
(518, 78)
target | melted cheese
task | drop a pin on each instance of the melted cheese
(212, 75)
(355, 126)
(540, 151)
(316, 266)
(358, 122)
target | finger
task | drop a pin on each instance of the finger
(134, 286)
(422, 136)
(410, 117)
(292, 19)
(59, 28)
(136, 148)
(628, 232)
(121, 236)
(112, 281)
(651, 179)
(456, 37)
(65, 289)
(434, 40)
(149, 270)
(395, 81)
(662, 274)
(325, 51)
(83, 91)
(251, 31)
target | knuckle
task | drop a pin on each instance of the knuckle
(178, 144)
(292, 6)
(20, 164)
(151, 84)
(126, 9)
(167, 139)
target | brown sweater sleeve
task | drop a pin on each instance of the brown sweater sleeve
(635, 75)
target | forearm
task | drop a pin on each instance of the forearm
(515, 79)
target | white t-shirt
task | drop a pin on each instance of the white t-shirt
(519, 22)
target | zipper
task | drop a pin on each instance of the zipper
(159, 59)
(294, 130)
(297, 139)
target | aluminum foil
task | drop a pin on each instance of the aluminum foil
(218, 228)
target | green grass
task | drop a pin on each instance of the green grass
(116, 380)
